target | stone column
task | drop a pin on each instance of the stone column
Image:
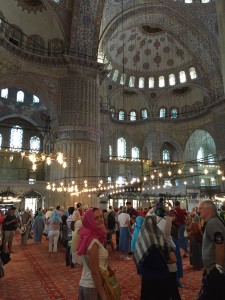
(79, 135)
(220, 9)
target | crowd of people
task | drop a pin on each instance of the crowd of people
(155, 238)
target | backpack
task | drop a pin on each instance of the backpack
(111, 221)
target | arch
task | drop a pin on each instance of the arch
(35, 44)
(154, 142)
(38, 87)
(197, 140)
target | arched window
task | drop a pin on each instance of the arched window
(165, 156)
(193, 73)
(110, 151)
(0, 141)
(135, 153)
(141, 82)
(121, 115)
(132, 81)
(151, 82)
(121, 148)
(161, 81)
(144, 114)
(20, 96)
(16, 138)
(172, 79)
(133, 116)
(115, 75)
(182, 77)
(35, 144)
(173, 113)
(162, 113)
(123, 79)
(206, 1)
(188, 1)
(35, 99)
(4, 93)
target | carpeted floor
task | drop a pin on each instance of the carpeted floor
(33, 273)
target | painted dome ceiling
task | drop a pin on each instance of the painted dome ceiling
(137, 50)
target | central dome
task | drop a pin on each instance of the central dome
(145, 49)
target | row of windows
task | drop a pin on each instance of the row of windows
(151, 80)
(135, 153)
(19, 96)
(166, 155)
(202, 1)
(173, 114)
(16, 140)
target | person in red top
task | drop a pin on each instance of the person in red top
(181, 220)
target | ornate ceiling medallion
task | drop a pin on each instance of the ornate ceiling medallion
(31, 5)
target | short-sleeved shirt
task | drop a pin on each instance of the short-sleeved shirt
(12, 226)
(86, 278)
(181, 215)
(123, 219)
(214, 234)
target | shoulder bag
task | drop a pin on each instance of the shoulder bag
(111, 284)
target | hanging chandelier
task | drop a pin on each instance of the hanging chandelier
(37, 158)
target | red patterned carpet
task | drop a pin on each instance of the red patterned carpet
(33, 273)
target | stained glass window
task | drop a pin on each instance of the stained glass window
(151, 82)
(121, 115)
(166, 156)
(144, 114)
(141, 82)
(173, 113)
(115, 75)
(132, 81)
(4, 93)
(193, 74)
(20, 96)
(161, 81)
(172, 79)
(162, 112)
(121, 148)
(16, 138)
(35, 144)
(35, 99)
(135, 153)
(182, 77)
(133, 116)
(110, 151)
(200, 155)
(123, 79)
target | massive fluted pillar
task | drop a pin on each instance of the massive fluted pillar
(79, 136)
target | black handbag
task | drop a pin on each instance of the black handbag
(5, 257)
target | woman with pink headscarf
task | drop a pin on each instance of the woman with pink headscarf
(93, 254)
